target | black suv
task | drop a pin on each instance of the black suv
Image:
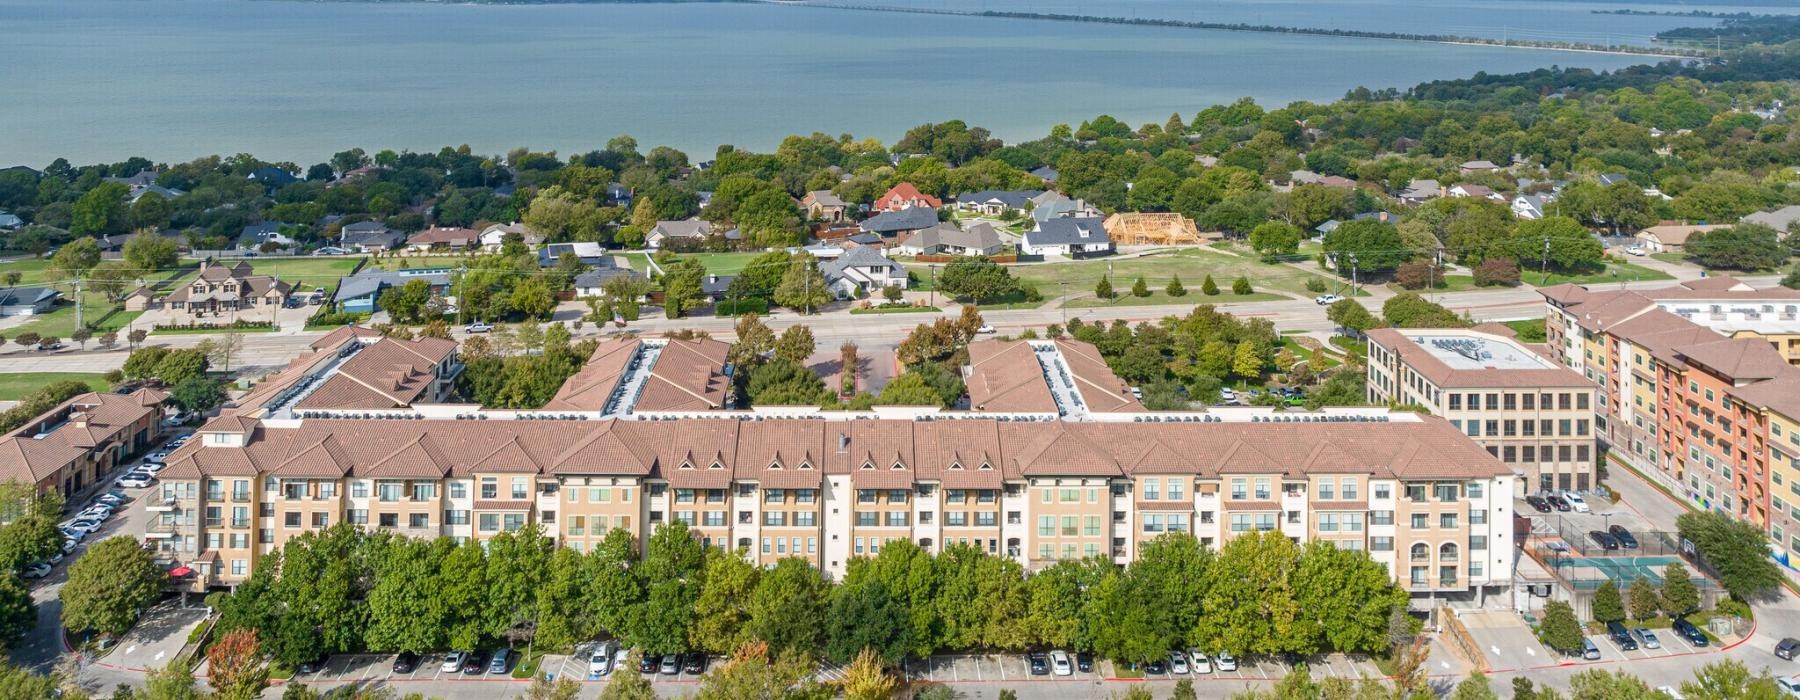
(1689, 631)
(1040, 665)
(1557, 501)
(406, 662)
(694, 663)
(1626, 539)
(1538, 504)
(1606, 541)
(1621, 636)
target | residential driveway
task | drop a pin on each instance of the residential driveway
(1506, 640)
(156, 638)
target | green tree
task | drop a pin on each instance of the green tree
(405, 608)
(1140, 288)
(1642, 599)
(75, 258)
(172, 682)
(17, 614)
(722, 614)
(150, 212)
(407, 303)
(1747, 247)
(1246, 361)
(1350, 314)
(783, 382)
(681, 286)
(1250, 602)
(149, 252)
(109, 586)
(1209, 287)
(796, 344)
(1560, 241)
(803, 285)
(1730, 680)
(1104, 288)
(909, 389)
(1737, 549)
(1272, 238)
(101, 211)
(1475, 687)
(1366, 246)
(564, 616)
(1345, 599)
(1175, 289)
(198, 393)
(627, 683)
(1598, 684)
(1679, 594)
(1559, 629)
(671, 573)
(788, 606)
(1241, 286)
(1608, 607)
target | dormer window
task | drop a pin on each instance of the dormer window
(805, 465)
(986, 467)
(716, 465)
(775, 465)
(956, 466)
(686, 465)
(868, 466)
(898, 466)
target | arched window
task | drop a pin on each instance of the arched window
(1421, 551)
(1447, 551)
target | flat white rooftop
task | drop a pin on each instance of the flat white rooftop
(1464, 351)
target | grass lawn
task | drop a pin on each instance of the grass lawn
(206, 331)
(1359, 348)
(716, 263)
(1192, 265)
(1676, 258)
(897, 310)
(1446, 283)
(1530, 330)
(1157, 297)
(14, 387)
(1614, 272)
(321, 272)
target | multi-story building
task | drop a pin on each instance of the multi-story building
(75, 444)
(1411, 490)
(1697, 388)
(1523, 408)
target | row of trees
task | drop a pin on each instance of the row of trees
(344, 590)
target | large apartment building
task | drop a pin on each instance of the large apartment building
(72, 445)
(1522, 407)
(1697, 389)
(1038, 485)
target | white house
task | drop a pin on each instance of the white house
(1530, 206)
(694, 229)
(861, 270)
(946, 239)
(1070, 236)
(494, 236)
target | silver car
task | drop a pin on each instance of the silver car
(1647, 638)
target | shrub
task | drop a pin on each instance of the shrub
(1175, 289)
(739, 307)
(1104, 289)
(1209, 287)
(1413, 275)
(1140, 288)
(1241, 286)
(1496, 271)
(1316, 285)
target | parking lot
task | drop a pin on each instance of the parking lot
(1574, 526)
(1509, 644)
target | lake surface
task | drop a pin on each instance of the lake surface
(172, 80)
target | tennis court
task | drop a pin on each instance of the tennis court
(1587, 573)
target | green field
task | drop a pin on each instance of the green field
(303, 273)
(14, 387)
(1446, 283)
(1158, 297)
(1614, 272)
(98, 313)
(1191, 264)
(716, 263)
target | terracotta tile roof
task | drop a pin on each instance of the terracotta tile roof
(689, 375)
(589, 387)
(1781, 394)
(1676, 234)
(388, 373)
(31, 454)
(1101, 390)
(1004, 376)
(343, 333)
(783, 454)
(958, 454)
(878, 454)
(1737, 359)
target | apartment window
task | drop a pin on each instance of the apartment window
(459, 489)
(1262, 488)
(1328, 522)
(1381, 544)
(1151, 489)
(578, 525)
(898, 519)
(1415, 493)
(1153, 522)
(327, 489)
(388, 491)
(1510, 401)
(456, 517)
(490, 522)
(389, 520)
(1478, 542)
(490, 487)
(356, 516)
(1349, 484)
(1238, 488)
(687, 517)
(1381, 517)
(1240, 522)
(1446, 493)
(1493, 402)
(984, 519)
(774, 518)
(865, 496)
(1456, 402)
(1046, 526)
(1447, 521)
(1420, 521)
(1069, 527)
(955, 518)
(806, 495)
(684, 495)
(321, 520)
(239, 567)
(1528, 453)
(1528, 402)
(521, 487)
(1090, 525)
(1384, 491)
(715, 496)
(1353, 522)
(428, 491)
(1069, 495)
(1478, 517)
(765, 545)
(1327, 489)
(955, 496)
(1175, 489)
(714, 518)
(1265, 521)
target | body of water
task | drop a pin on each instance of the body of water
(171, 80)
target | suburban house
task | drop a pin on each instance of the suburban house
(494, 236)
(1156, 228)
(1466, 189)
(1308, 177)
(588, 284)
(696, 229)
(370, 237)
(823, 205)
(271, 177)
(361, 293)
(996, 202)
(1477, 166)
(947, 239)
(1607, 179)
(9, 220)
(442, 237)
(253, 237)
(1419, 191)
(1670, 238)
(1059, 206)
(905, 196)
(860, 271)
(75, 444)
(221, 289)
(140, 191)
(27, 301)
(1530, 206)
(902, 223)
(590, 253)
(1069, 236)
(1045, 173)
(1783, 219)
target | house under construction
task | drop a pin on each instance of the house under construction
(1136, 228)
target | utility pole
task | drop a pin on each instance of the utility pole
(1065, 304)
(1353, 282)
(78, 305)
(1544, 268)
(933, 301)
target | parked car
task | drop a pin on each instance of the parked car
(406, 662)
(1558, 503)
(1538, 504)
(453, 662)
(478, 327)
(694, 663)
(621, 656)
(1200, 662)
(600, 662)
(501, 663)
(56, 557)
(670, 665)
(1626, 539)
(68, 545)
(1038, 663)
(38, 570)
(1178, 662)
(1327, 299)
(1156, 667)
(136, 480)
(1689, 631)
(313, 665)
(156, 457)
(1059, 663)
(72, 535)
(1225, 661)
(1789, 685)
(1621, 636)
(474, 663)
(1637, 250)
(1588, 650)
(1647, 638)
(648, 663)
(1576, 501)
(1604, 540)
(1084, 661)
(985, 329)
(1786, 648)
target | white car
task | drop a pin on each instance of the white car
(1060, 663)
(1327, 299)
(1789, 685)
(68, 545)
(1577, 502)
(453, 662)
(55, 558)
(136, 480)
(38, 570)
(156, 457)
(985, 329)
(1635, 250)
(1178, 662)
(111, 499)
(600, 662)
(1201, 663)
(153, 468)
(1225, 661)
